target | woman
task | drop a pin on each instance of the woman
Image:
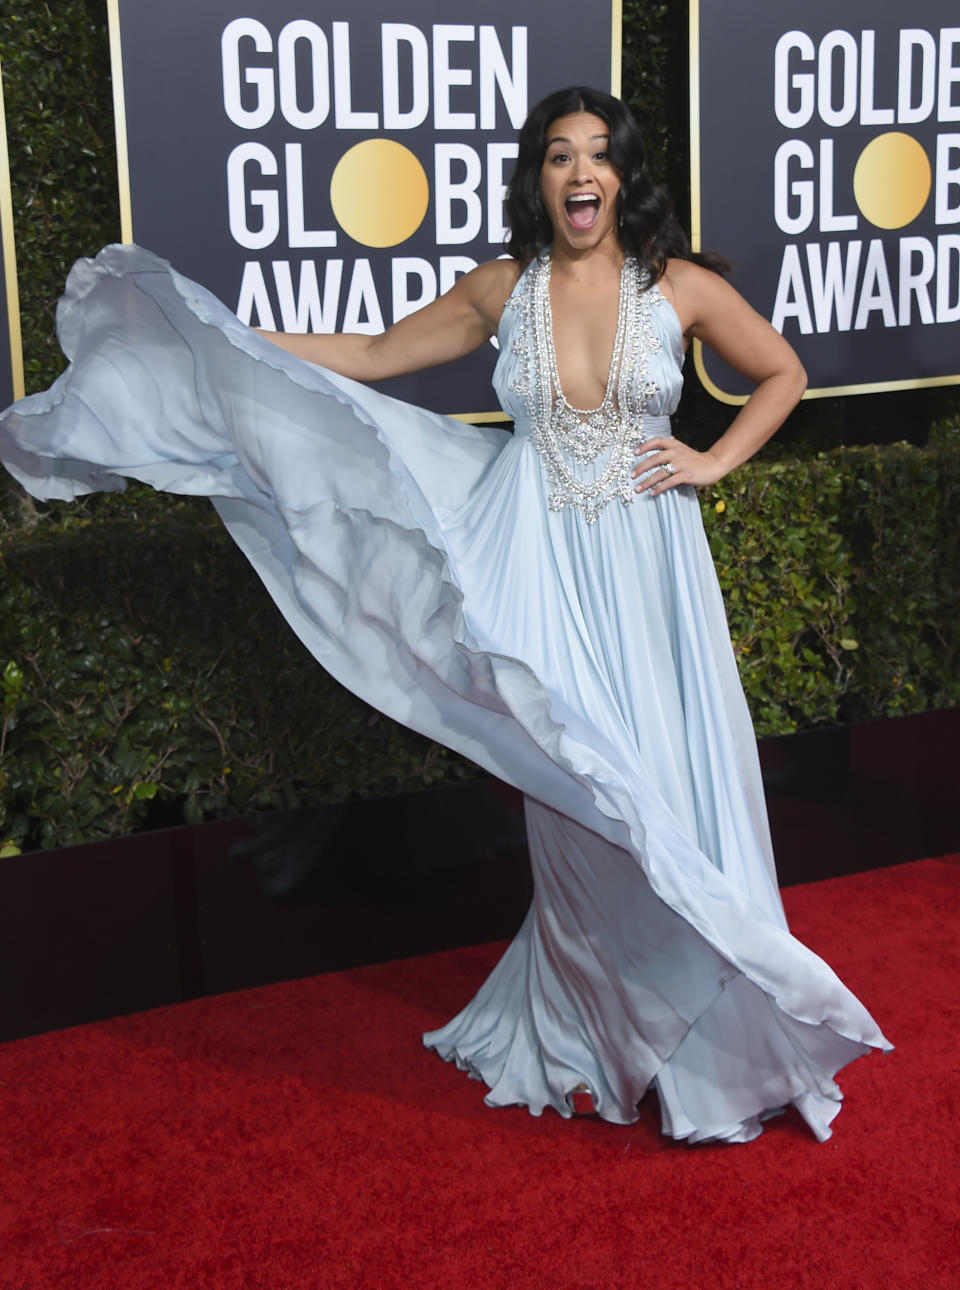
(545, 603)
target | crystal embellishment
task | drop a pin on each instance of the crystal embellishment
(588, 454)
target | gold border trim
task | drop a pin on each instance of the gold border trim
(478, 417)
(710, 385)
(694, 77)
(823, 391)
(878, 387)
(616, 48)
(120, 121)
(10, 259)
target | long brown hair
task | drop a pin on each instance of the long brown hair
(647, 226)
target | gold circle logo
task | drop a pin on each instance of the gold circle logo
(891, 181)
(379, 192)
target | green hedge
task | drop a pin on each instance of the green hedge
(147, 678)
(841, 576)
(63, 169)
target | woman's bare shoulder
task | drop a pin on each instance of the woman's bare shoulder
(488, 287)
(496, 277)
(685, 276)
(694, 290)
(503, 270)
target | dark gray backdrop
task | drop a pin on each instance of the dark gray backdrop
(739, 136)
(179, 137)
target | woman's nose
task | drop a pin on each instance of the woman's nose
(581, 170)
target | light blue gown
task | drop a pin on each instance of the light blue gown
(584, 659)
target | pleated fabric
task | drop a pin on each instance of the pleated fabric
(589, 665)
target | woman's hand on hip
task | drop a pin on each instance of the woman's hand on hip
(671, 463)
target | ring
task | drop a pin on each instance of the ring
(669, 467)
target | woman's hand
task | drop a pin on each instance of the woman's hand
(673, 463)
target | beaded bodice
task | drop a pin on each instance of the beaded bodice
(588, 454)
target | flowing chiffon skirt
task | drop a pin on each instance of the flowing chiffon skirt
(588, 665)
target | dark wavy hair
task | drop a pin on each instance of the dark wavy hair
(648, 228)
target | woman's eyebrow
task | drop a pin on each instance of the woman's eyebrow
(562, 138)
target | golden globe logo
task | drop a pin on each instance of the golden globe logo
(891, 180)
(831, 284)
(379, 192)
(447, 80)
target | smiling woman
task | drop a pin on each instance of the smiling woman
(578, 182)
(543, 602)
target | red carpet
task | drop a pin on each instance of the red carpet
(297, 1136)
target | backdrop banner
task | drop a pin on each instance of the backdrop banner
(11, 354)
(826, 167)
(327, 168)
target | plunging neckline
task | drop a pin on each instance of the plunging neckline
(588, 455)
(616, 355)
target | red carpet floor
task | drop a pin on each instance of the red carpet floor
(296, 1137)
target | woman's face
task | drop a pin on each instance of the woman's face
(578, 183)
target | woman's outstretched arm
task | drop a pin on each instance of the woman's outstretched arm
(456, 323)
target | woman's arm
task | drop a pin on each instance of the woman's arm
(711, 311)
(456, 323)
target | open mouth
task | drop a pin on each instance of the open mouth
(582, 210)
